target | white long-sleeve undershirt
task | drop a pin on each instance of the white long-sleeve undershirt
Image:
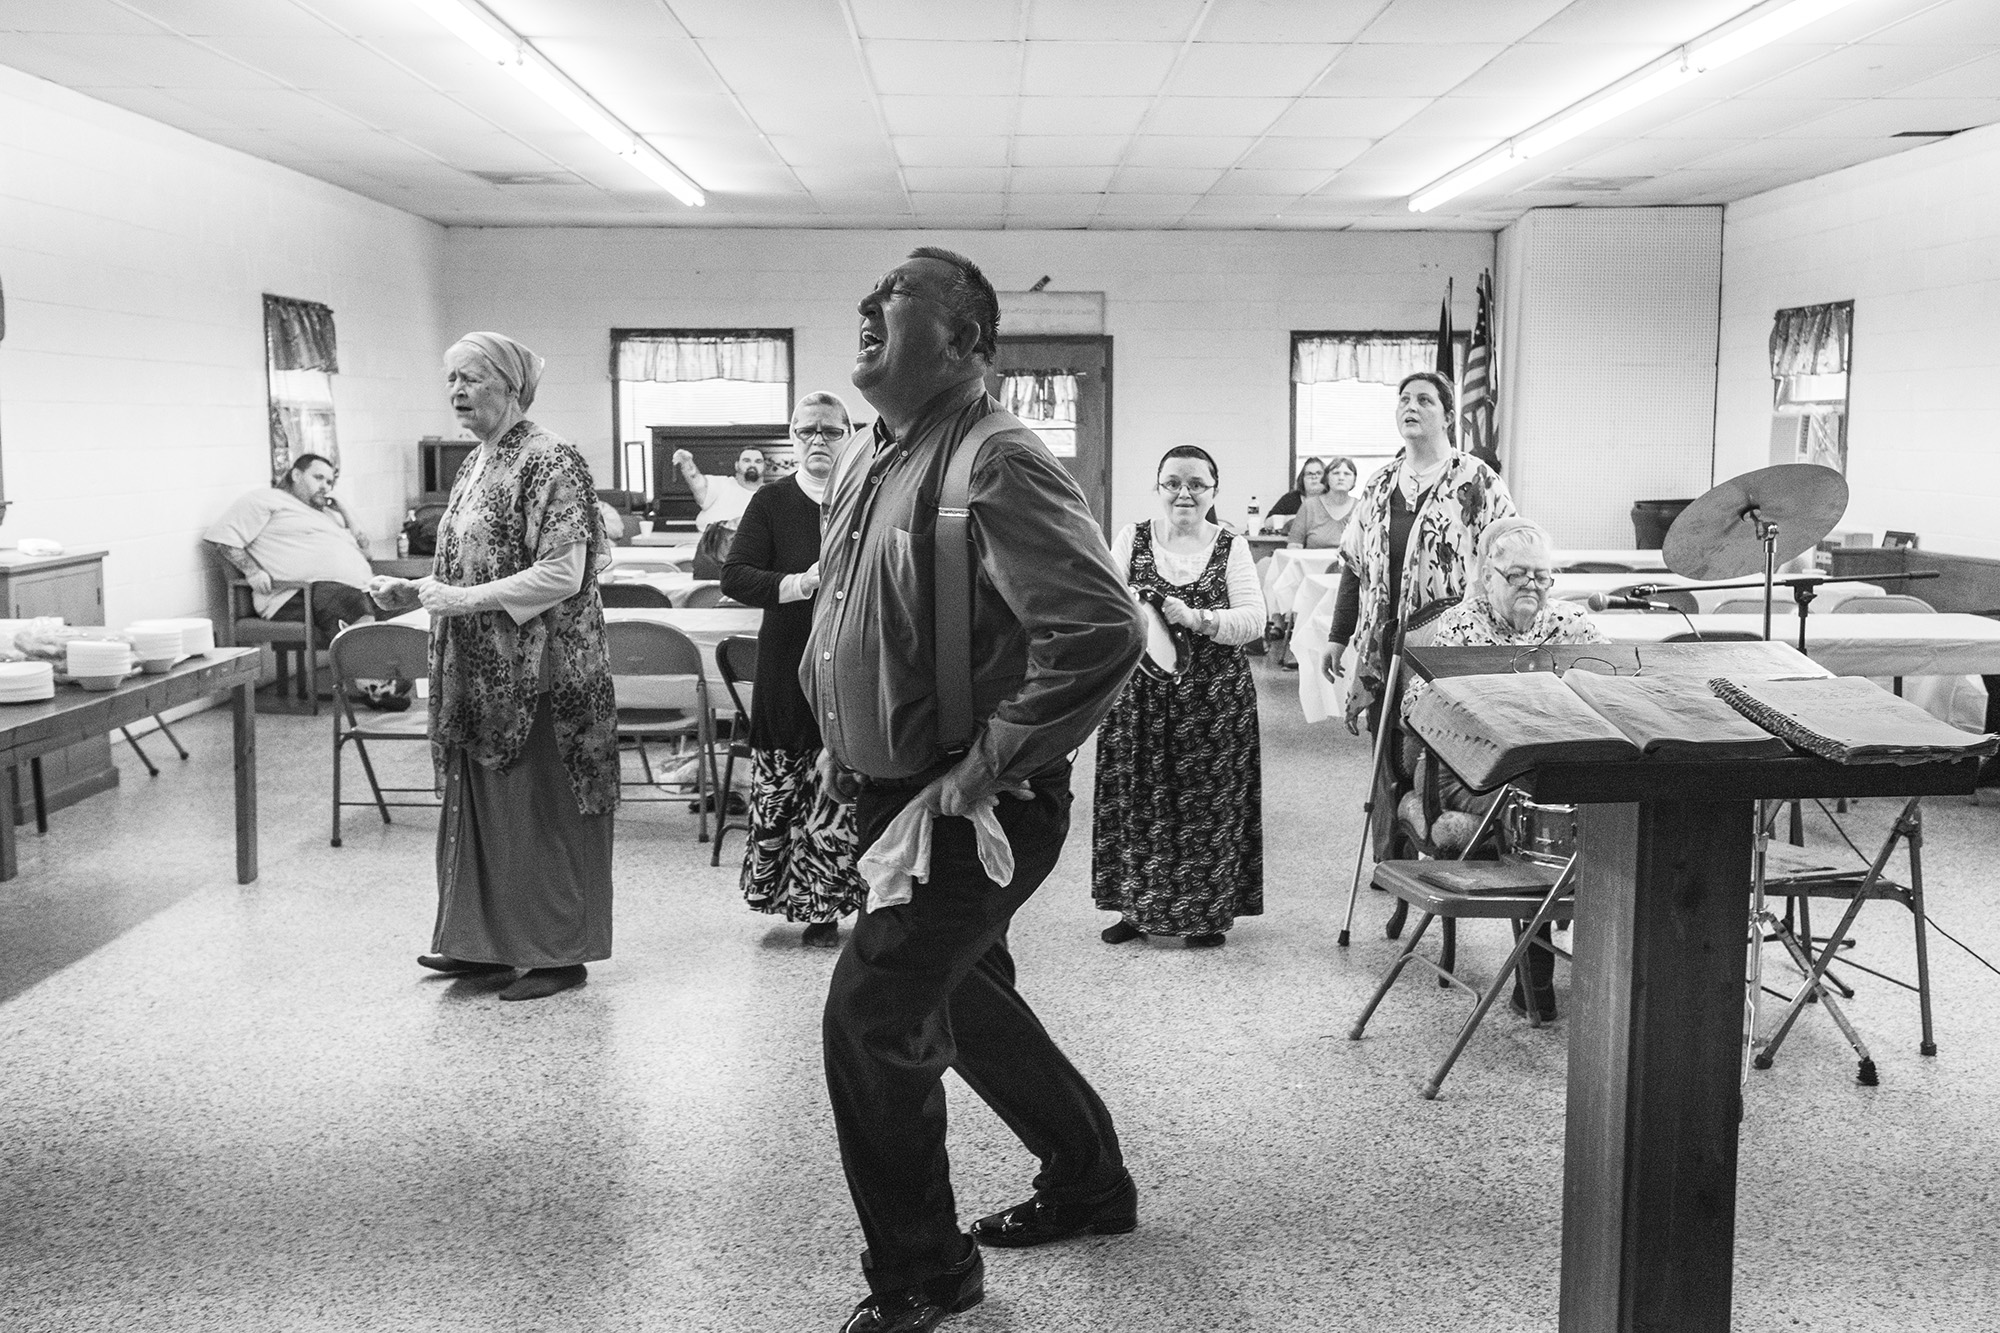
(1243, 620)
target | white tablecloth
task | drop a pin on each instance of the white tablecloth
(651, 557)
(1287, 572)
(677, 586)
(1939, 656)
(1638, 560)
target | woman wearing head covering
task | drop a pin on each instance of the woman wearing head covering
(523, 724)
(1177, 842)
(799, 858)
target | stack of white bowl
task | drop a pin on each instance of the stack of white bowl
(26, 682)
(197, 633)
(156, 649)
(99, 663)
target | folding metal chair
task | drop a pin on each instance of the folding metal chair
(1888, 604)
(662, 665)
(736, 662)
(642, 596)
(1526, 893)
(377, 652)
(705, 594)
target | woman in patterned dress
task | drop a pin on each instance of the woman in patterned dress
(523, 723)
(799, 859)
(1178, 842)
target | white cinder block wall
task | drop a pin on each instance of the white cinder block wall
(1608, 349)
(132, 394)
(1200, 321)
(1914, 241)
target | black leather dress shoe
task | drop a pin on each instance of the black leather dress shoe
(923, 1307)
(1040, 1220)
(458, 967)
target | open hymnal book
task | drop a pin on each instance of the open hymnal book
(1850, 720)
(1492, 728)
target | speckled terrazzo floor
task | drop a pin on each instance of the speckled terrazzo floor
(231, 1108)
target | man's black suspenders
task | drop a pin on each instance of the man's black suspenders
(952, 579)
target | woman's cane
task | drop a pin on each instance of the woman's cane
(1385, 723)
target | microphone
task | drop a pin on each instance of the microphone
(1604, 601)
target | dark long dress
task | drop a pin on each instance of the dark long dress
(1178, 840)
(799, 860)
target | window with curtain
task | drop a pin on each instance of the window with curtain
(301, 358)
(1046, 401)
(1810, 346)
(1344, 393)
(696, 377)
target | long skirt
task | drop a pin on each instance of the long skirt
(524, 878)
(800, 860)
(1177, 843)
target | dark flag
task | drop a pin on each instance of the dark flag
(1446, 364)
(1478, 423)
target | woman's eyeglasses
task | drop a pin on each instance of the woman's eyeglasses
(1186, 488)
(830, 434)
(1523, 578)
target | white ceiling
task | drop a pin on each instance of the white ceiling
(1317, 114)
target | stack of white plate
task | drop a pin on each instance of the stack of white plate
(26, 682)
(197, 633)
(156, 649)
(99, 663)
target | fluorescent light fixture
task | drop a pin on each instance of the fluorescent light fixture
(1756, 28)
(495, 41)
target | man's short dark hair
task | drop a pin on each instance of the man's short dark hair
(304, 461)
(969, 296)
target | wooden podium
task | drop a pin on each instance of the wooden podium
(1656, 1021)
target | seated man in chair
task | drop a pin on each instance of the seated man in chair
(1507, 602)
(296, 532)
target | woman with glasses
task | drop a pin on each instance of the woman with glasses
(1178, 842)
(1322, 518)
(1508, 603)
(1310, 481)
(799, 858)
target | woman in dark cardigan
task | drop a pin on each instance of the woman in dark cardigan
(799, 860)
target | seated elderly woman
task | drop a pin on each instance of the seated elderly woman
(1508, 602)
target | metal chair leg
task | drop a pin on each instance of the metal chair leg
(167, 731)
(152, 769)
(1389, 977)
(336, 785)
(1914, 821)
(41, 795)
(368, 767)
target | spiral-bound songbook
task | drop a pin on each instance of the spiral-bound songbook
(1850, 720)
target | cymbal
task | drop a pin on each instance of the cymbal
(1716, 537)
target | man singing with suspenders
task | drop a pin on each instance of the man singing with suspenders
(949, 668)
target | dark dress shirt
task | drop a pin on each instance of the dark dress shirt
(1055, 631)
(778, 535)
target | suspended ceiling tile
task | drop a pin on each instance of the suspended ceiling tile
(818, 20)
(137, 60)
(1061, 150)
(1112, 20)
(955, 180)
(1242, 205)
(787, 65)
(1051, 205)
(168, 108)
(790, 113)
(972, 114)
(1822, 155)
(1760, 69)
(1098, 69)
(1217, 151)
(1257, 69)
(664, 111)
(1215, 115)
(862, 202)
(1082, 115)
(1288, 20)
(1552, 75)
(1666, 25)
(615, 66)
(479, 152)
(1422, 161)
(1955, 23)
(1303, 154)
(919, 68)
(1288, 184)
(1742, 118)
(848, 180)
(1165, 180)
(212, 18)
(1161, 205)
(331, 62)
(274, 110)
(638, 20)
(941, 150)
(361, 18)
(962, 21)
(1888, 116)
(956, 201)
(1976, 78)
(1484, 117)
(1373, 184)
(441, 60)
(1461, 20)
(1864, 71)
(1649, 157)
(1395, 69)
(1864, 21)
(1347, 117)
(1061, 180)
(816, 150)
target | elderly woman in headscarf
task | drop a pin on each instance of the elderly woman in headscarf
(523, 723)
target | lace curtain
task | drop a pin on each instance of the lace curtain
(677, 358)
(1039, 395)
(1358, 356)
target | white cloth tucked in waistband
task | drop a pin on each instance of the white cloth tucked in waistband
(902, 855)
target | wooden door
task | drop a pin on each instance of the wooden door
(1085, 449)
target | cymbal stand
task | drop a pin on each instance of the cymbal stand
(1767, 533)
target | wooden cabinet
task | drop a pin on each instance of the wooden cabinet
(70, 585)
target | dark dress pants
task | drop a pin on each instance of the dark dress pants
(335, 606)
(929, 986)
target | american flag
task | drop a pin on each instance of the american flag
(1478, 430)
